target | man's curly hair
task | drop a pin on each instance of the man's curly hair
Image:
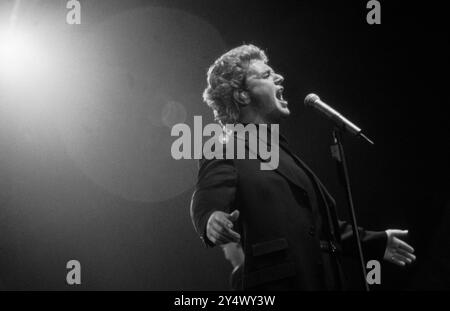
(226, 75)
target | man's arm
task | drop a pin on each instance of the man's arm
(212, 200)
(387, 245)
(373, 243)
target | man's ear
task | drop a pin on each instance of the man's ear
(242, 97)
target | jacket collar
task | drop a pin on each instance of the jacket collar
(283, 169)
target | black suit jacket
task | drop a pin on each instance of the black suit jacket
(281, 230)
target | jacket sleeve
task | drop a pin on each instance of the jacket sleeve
(373, 243)
(215, 191)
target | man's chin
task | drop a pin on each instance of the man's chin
(285, 112)
(283, 109)
(279, 114)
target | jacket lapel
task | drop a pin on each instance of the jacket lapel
(283, 168)
(311, 173)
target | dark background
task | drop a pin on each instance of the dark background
(390, 79)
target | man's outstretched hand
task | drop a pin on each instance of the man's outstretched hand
(397, 251)
(219, 228)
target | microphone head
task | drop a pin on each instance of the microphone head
(310, 99)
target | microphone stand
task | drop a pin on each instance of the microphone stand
(337, 152)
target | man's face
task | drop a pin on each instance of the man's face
(266, 91)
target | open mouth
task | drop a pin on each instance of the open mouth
(279, 95)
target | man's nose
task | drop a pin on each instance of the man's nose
(278, 78)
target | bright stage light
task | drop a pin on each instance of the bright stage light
(19, 55)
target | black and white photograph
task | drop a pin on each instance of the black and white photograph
(243, 148)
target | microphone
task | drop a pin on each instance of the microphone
(312, 100)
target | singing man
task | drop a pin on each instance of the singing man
(285, 219)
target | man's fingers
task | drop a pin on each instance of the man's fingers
(227, 219)
(404, 259)
(403, 245)
(399, 233)
(234, 215)
(214, 237)
(224, 222)
(399, 263)
(398, 260)
(219, 228)
(400, 252)
(406, 254)
(236, 236)
(401, 259)
(218, 239)
(226, 232)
